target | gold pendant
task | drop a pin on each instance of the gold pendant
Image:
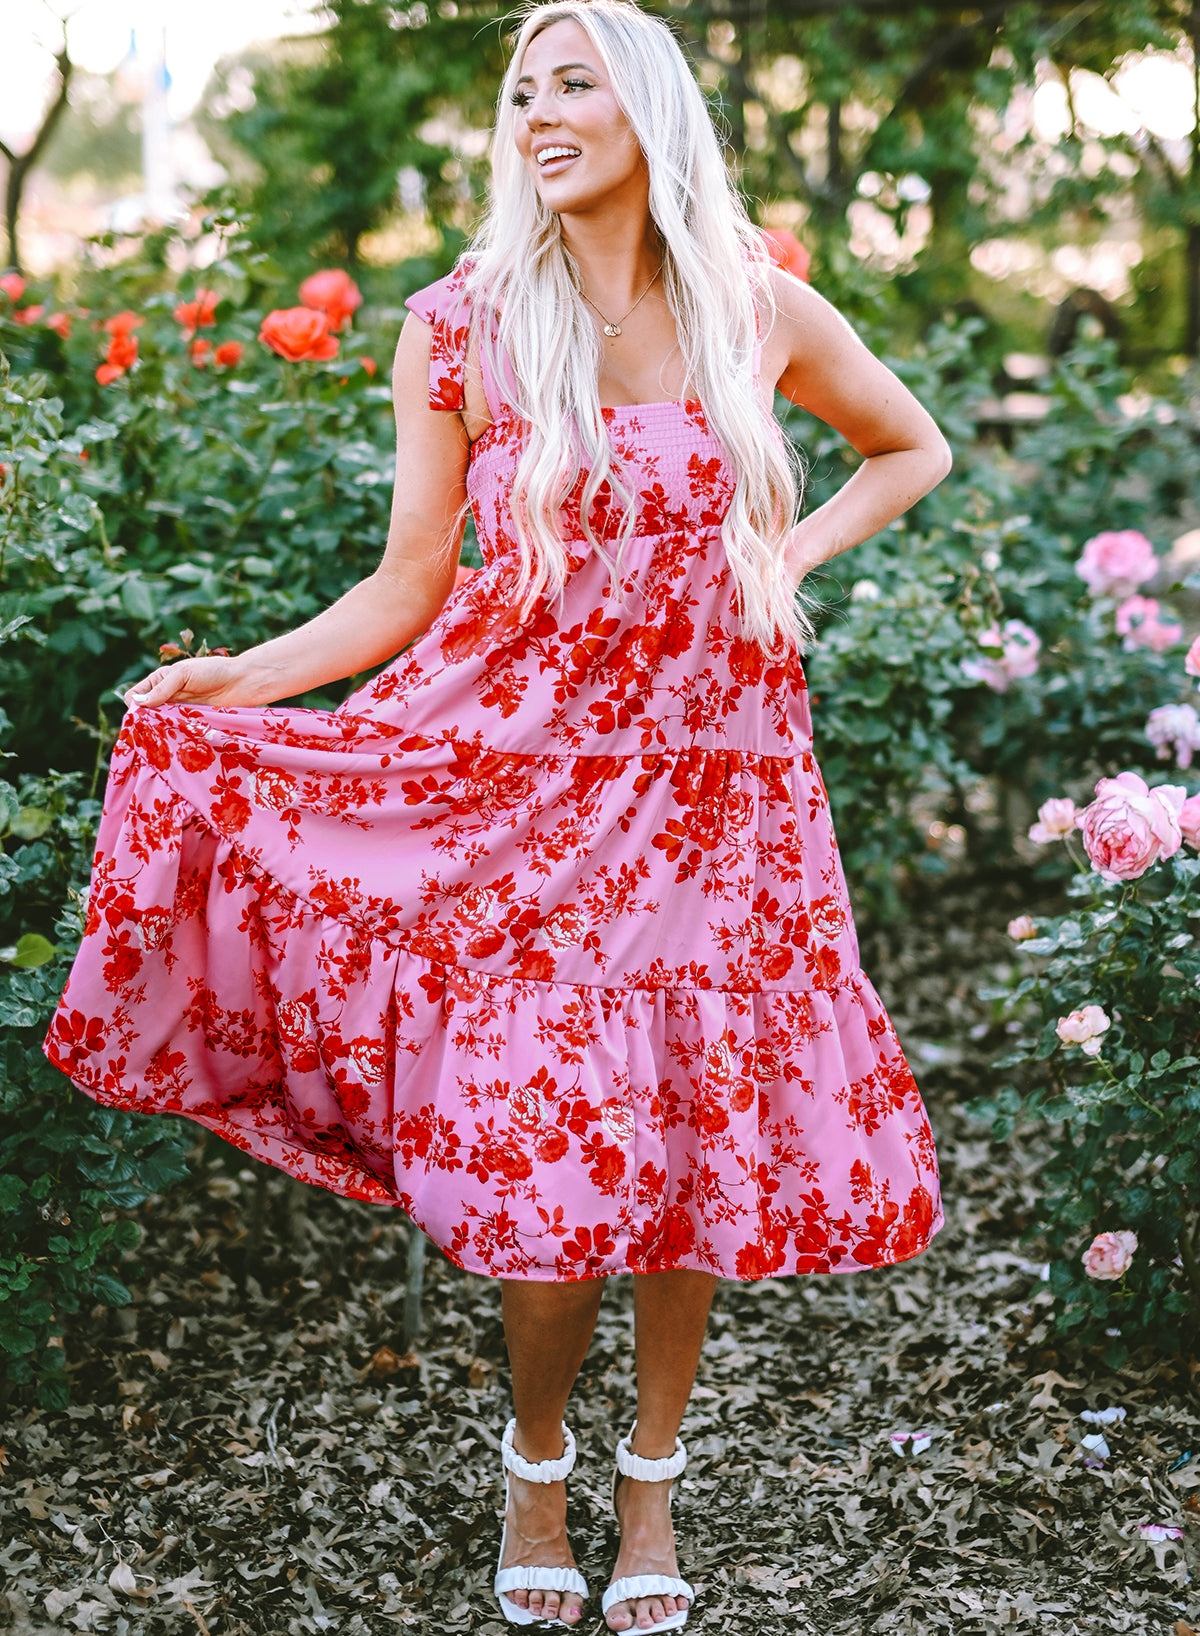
(612, 329)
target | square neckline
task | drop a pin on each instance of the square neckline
(654, 403)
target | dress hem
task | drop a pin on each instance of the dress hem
(277, 1153)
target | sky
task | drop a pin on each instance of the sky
(198, 33)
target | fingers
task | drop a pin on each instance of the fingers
(159, 687)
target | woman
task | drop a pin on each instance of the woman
(542, 934)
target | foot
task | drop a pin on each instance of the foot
(537, 1537)
(647, 1547)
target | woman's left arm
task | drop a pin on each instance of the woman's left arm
(826, 369)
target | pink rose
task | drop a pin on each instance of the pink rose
(1085, 1028)
(1192, 663)
(1017, 657)
(1129, 826)
(1189, 821)
(1117, 562)
(1022, 928)
(1109, 1255)
(1056, 818)
(1174, 727)
(1139, 624)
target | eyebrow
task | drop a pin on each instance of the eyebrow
(562, 69)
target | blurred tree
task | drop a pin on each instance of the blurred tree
(21, 163)
(99, 135)
(330, 124)
(911, 124)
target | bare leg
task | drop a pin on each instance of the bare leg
(548, 1328)
(670, 1316)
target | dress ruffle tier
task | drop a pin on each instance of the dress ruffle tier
(542, 936)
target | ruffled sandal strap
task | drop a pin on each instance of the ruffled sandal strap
(537, 1471)
(632, 1465)
(637, 1586)
(563, 1580)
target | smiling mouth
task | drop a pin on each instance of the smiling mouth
(555, 159)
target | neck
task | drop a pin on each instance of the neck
(617, 258)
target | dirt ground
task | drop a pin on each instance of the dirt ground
(249, 1450)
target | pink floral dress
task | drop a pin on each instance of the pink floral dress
(541, 936)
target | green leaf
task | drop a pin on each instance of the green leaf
(30, 951)
(110, 1290)
(138, 600)
(32, 822)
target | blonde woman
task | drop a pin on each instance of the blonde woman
(542, 936)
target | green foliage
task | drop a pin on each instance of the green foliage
(906, 738)
(1126, 1122)
(68, 1169)
(232, 502)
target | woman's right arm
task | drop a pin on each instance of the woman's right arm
(382, 613)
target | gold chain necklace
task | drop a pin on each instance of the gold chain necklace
(613, 326)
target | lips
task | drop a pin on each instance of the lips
(561, 157)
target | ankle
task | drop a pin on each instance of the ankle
(539, 1441)
(652, 1444)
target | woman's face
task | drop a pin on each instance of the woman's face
(565, 101)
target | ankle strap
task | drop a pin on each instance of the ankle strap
(540, 1471)
(632, 1465)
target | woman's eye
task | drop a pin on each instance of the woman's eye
(520, 99)
(576, 85)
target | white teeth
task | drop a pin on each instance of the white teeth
(547, 154)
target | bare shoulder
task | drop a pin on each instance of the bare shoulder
(814, 357)
(410, 368)
(804, 325)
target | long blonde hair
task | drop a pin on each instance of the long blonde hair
(713, 261)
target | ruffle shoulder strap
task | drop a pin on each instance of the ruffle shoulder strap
(446, 307)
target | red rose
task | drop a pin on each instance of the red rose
(511, 1163)
(746, 660)
(121, 355)
(550, 1145)
(198, 314)
(786, 251)
(370, 1058)
(196, 756)
(123, 323)
(741, 1097)
(231, 811)
(228, 354)
(334, 293)
(298, 334)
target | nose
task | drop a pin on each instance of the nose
(540, 110)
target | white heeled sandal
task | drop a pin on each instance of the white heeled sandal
(563, 1580)
(636, 1587)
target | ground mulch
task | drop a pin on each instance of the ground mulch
(251, 1449)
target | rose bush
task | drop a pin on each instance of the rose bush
(1108, 1001)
